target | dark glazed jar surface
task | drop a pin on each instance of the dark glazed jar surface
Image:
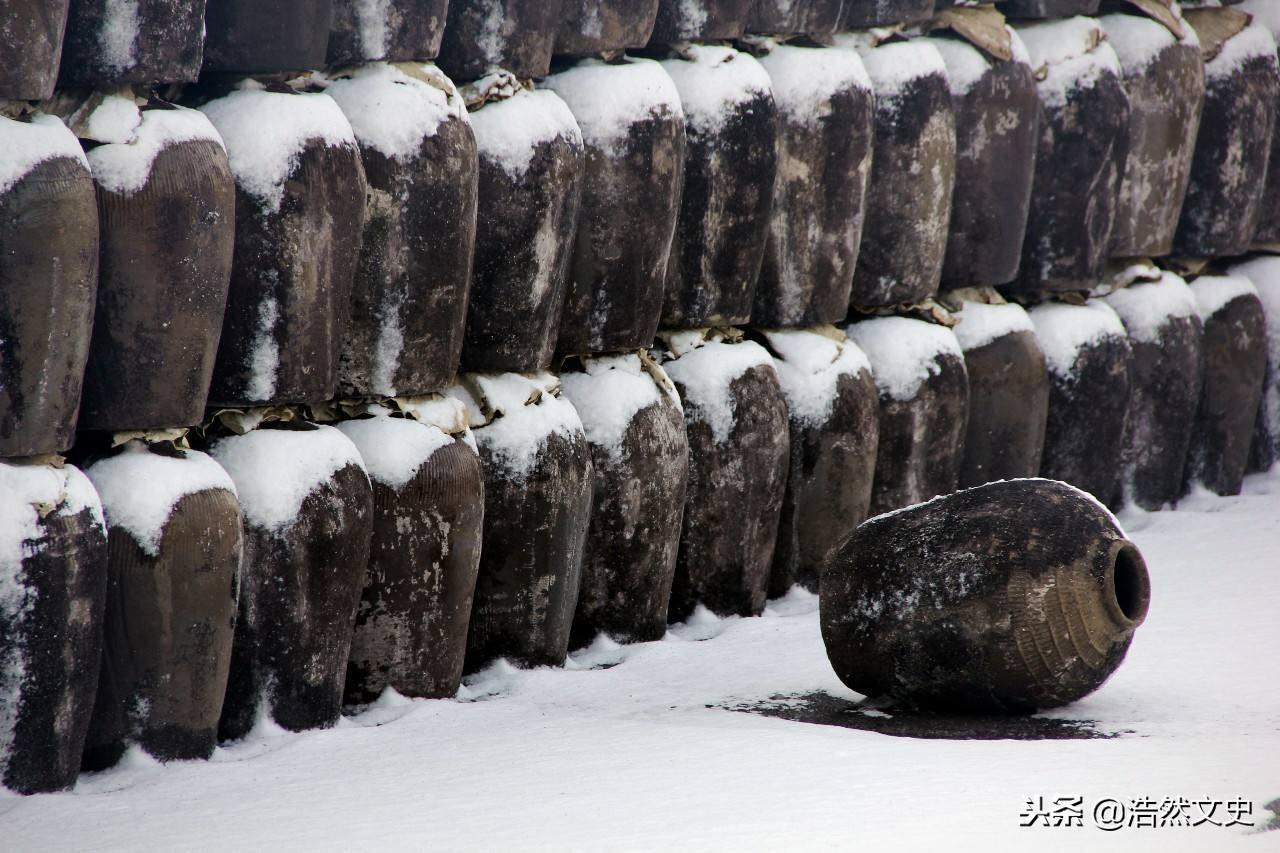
(531, 172)
(908, 209)
(253, 37)
(640, 456)
(1088, 355)
(1008, 597)
(34, 30)
(393, 31)
(739, 453)
(308, 520)
(167, 237)
(174, 554)
(428, 516)
(997, 119)
(484, 35)
(1080, 157)
(1008, 394)
(731, 127)
(1228, 171)
(48, 284)
(145, 42)
(53, 558)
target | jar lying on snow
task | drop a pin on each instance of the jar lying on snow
(700, 20)
(33, 30)
(174, 547)
(833, 412)
(484, 35)
(47, 283)
(904, 237)
(53, 581)
(640, 454)
(1079, 158)
(1160, 316)
(531, 166)
(739, 450)
(409, 300)
(786, 17)
(1228, 172)
(390, 30)
(880, 13)
(1164, 80)
(633, 129)
(308, 518)
(538, 488)
(300, 207)
(252, 37)
(1088, 355)
(166, 210)
(428, 516)
(1008, 392)
(924, 408)
(1264, 272)
(1235, 366)
(825, 125)
(731, 122)
(590, 27)
(109, 43)
(993, 96)
(1267, 233)
(1007, 597)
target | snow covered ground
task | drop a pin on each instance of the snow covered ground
(642, 755)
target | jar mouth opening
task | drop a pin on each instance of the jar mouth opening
(1128, 585)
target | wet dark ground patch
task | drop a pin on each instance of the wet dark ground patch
(826, 710)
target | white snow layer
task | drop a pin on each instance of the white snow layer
(394, 449)
(608, 395)
(891, 66)
(607, 99)
(266, 132)
(1146, 307)
(118, 37)
(1063, 330)
(25, 145)
(140, 489)
(264, 358)
(1215, 292)
(29, 492)
(903, 352)
(393, 112)
(809, 366)
(1264, 272)
(373, 25)
(1071, 53)
(509, 131)
(805, 79)
(525, 413)
(1195, 714)
(1138, 40)
(1265, 12)
(980, 323)
(713, 82)
(276, 469)
(124, 166)
(1252, 42)
(447, 414)
(706, 371)
(965, 63)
